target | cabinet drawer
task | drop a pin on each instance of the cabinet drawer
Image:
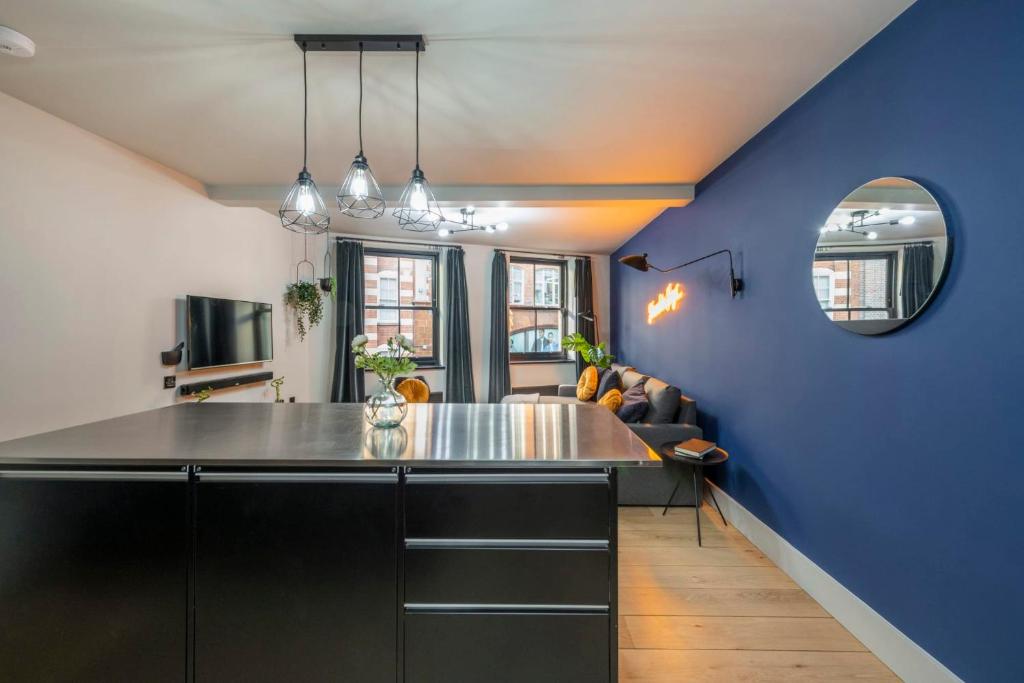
(506, 576)
(512, 506)
(506, 648)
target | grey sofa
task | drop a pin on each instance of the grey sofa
(648, 485)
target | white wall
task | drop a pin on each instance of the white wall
(96, 244)
(478, 278)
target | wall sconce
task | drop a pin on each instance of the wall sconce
(639, 262)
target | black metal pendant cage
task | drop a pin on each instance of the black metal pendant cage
(418, 210)
(303, 210)
(359, 195)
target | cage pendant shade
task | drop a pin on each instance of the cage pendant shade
(360, 195)
(418, 210)
(303, 210)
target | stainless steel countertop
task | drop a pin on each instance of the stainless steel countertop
(335, 434)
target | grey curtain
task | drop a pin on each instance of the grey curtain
(500, 384)
(583, 284)
(918, 268)
(347, 383)
(458, 383)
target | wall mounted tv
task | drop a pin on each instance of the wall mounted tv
(226, 332)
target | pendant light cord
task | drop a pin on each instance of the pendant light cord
(305, 110)
(360, 99)
(417, 104)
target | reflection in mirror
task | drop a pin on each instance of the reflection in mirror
(880, 256)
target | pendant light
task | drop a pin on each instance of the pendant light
(417, 209)
(359, 195)
(303, 209)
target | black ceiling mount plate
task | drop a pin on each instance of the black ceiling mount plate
(350, 43)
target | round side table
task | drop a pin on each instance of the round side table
(715, 457)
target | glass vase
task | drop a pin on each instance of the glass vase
(385, 407)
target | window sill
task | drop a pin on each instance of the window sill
(540, 362)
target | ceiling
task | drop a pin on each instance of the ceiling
(649, 94)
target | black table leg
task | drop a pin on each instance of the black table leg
(698, 484)
(712, 492)
(678, 482)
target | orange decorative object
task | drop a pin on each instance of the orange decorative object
(414, 390)
(667, 301)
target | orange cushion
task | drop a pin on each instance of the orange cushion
(414, 390)
(612, 400)
(587, 386)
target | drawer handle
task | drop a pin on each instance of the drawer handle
(301, 477)
(484, 608)
(93, 475)
(506, 543)
(507, 479)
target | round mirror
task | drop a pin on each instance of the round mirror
(881, 256)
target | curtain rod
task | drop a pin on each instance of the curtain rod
(539, 253)
(387, 241)
(874, 243)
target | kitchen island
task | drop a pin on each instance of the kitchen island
(258, 542)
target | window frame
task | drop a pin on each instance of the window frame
(434, 308)
(890, 257)
(562, 308)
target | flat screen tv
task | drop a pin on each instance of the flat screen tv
(226, 332)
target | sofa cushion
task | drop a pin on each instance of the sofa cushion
(634, 403)
(619, 368)
(609, 380)
(587, 386)
(611, 400)
(662, 401)
(631, 378)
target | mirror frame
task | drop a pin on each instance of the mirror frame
(940, 281)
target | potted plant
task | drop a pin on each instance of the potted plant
(305, 298)
(597, 356)
(385, 407)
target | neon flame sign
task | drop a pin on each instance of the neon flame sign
(666, 302)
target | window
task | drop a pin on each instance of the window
(856, 286)
(401, 298)
(537, 311)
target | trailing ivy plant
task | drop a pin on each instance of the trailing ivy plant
(597, 356)
(305, 298)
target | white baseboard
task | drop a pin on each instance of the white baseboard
(907, 659)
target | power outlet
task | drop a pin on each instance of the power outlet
(291, 399)
(170, 381)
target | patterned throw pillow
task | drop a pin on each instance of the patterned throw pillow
(611, 400)
(587, 386)
(634, 403)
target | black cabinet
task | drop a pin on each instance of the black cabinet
(507, 648)
(93, 576)
(296, 577)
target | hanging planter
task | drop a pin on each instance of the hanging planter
(305, 299)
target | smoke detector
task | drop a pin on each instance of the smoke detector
(15, 44)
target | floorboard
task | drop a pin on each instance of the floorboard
(722, 612)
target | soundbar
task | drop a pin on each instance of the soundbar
(226, 382)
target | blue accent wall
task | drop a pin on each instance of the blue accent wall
(895, 463)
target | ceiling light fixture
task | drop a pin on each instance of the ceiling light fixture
(858, 221)
(303, 209)
(418, 210)
(359, 195)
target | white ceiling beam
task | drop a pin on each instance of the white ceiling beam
(663, 195)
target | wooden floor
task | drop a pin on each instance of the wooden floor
(722, 612)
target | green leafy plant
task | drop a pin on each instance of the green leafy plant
(387, 363)
(305, 298)
(597, 356)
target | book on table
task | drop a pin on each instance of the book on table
(695, 448)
